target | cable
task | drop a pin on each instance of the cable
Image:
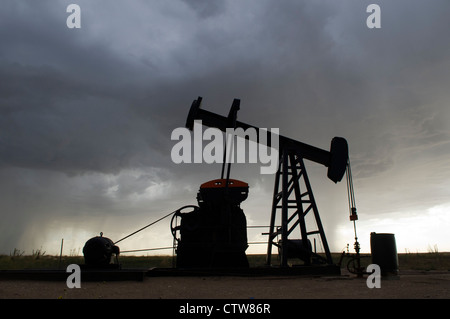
(350, 190)
(147, 226)
(351, 197)
(146, 249)
(353, 217)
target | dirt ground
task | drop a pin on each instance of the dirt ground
(408, 284)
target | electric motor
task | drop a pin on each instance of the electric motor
(98, 251)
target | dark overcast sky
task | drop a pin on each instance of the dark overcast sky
(86, 114)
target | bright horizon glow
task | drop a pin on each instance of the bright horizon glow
(410, 235)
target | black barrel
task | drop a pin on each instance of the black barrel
(384, 252)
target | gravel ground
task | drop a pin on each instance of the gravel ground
(409, 285)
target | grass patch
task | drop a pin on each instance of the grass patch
(38, 260)
(424, 261)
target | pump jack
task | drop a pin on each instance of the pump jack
(213, 234)
(293, 198)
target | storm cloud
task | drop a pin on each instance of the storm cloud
(86, 114)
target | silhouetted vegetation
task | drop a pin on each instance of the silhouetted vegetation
(39, 260)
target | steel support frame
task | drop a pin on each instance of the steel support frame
(293, 206)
